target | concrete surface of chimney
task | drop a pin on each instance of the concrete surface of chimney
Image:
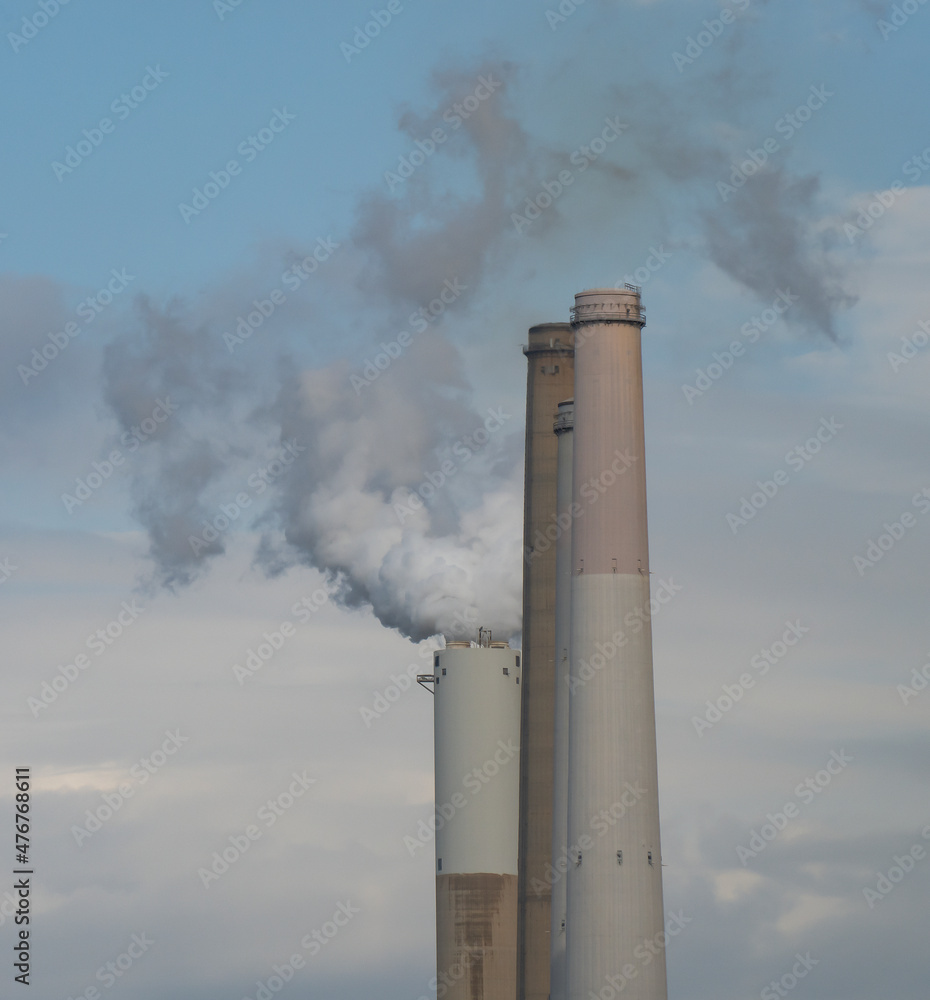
(477, 737)
(614, 907)
(563, 428)
(550, 380)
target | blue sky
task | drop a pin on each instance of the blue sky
(212, 420)
(225, 77)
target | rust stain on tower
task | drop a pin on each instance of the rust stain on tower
(550, 380)
(475, 914)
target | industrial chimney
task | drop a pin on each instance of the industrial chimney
(615, 876)
(477, 739)
(550, 380)
(563, 428)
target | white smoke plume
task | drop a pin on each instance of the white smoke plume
(408, 499)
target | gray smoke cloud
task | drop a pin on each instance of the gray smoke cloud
(434, 232)
(163, 364)
(404, 495)
(772, 231)
(430, 550)
(771, 240)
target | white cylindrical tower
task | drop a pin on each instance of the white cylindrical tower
(614, 930)
(477, 740)
(564, 423)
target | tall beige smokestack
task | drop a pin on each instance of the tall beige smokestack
(550, 380)
(615, 877)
